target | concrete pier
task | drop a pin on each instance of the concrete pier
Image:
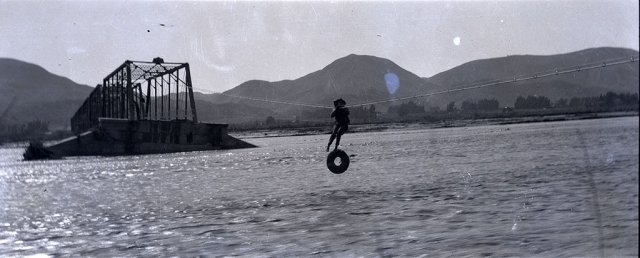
(130, 137)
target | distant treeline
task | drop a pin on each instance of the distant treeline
(469, 109)
(359, 112)
(34, 130)
(524, 107)
(609, 100)
(406, 112)
(30, 128)
(468, 105)
(406, 108)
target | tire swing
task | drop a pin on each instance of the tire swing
(344, 161)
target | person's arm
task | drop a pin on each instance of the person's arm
(333, 113)
(346, 111)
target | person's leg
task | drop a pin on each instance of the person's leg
(333, 136)
(340, 132)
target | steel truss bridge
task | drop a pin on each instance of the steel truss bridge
(138, 90)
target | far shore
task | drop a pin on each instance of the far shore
(379, 127)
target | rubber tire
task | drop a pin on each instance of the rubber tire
(344, 164)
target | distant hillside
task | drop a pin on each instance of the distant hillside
(362, 79)
(356, 78)
(620, 78)
(36, 94)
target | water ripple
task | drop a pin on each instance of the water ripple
(477, 191)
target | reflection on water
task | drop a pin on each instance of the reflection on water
(513, 190)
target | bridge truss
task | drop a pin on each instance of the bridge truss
(140, 91)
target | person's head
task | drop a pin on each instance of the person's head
(339, 103)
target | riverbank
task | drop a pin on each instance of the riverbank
(377, 127)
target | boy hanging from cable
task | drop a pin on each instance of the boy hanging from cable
(341, 114)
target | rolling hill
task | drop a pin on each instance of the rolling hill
(29, 93)
(620, 78)
(356, 78)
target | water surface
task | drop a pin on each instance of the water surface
(562, 189)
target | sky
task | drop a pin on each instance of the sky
(229, 42)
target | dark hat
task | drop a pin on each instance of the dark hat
(337, 101)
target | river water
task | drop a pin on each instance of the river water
(559, 189)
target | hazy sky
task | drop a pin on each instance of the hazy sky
(229, 42)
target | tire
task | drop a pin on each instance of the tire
(331, 161)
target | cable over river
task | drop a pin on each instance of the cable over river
(557, 189)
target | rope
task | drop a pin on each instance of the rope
(276, 101)
(526, 77)
(263, 100)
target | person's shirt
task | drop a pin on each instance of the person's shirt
(341, 114)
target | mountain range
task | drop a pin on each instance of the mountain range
(362, 79)
(29, 92)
